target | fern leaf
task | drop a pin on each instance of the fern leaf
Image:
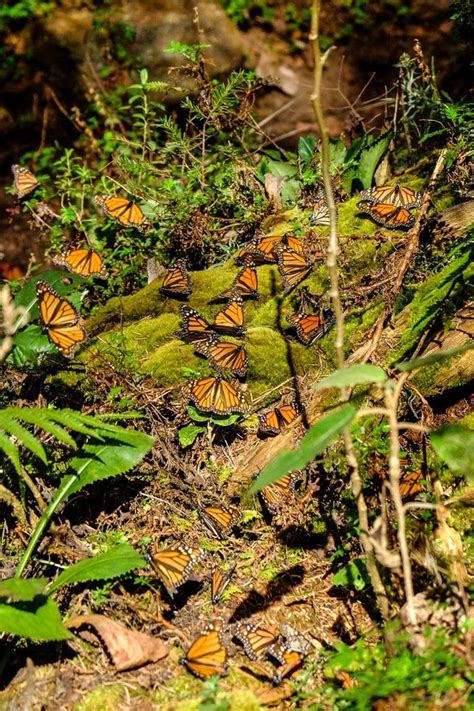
(75, 421)
(39, 417)
(28, 440)
(11, 451)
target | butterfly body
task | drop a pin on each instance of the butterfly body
(206, 656)
(273, 421)
(310, 327)
(293, 266)
(62, 322)
(215, 395)
(174, 565)
(177, 282)
(229, 320)
(219, 582)
(24, 181)
(219, 520)
(125, 211)
(85, 262)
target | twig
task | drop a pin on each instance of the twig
(332, 252)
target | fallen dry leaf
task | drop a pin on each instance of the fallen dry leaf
(128, 649)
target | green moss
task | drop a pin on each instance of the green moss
(468, 421)
(110, 697)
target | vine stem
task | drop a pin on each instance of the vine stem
(332, 254)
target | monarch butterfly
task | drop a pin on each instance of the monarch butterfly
(225, 356)
(194, 326)
(294, 640)
(219, 520)
(86, 262)
(177, 281)
(125, 211)
(262, 249)
(276, 494)
(293, 266)
(230, 319)
(24, 181)
(411, 483)
(206, 656)
(393, 218)
(61, 320)
(291, 662)
(219, 582)
(214, 394)
(290, 652)
(245, 284)
(255, 639)
(273, 421)
(310, 327)
(395, 195)
(174, 565)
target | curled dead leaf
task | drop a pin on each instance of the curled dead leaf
(128, 649)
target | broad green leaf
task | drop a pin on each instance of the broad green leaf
(223, 421)
(315, 441)
(369, 159)
(187, 435)
(306, 148)
(39, 620)
(29, 344)
(22, 589)
(357, 374)
(290, 191)
(433, 358)
(28, 440)
(110, 458)
(337, 154)
(116, 561)
(454, 444)
(354, 575)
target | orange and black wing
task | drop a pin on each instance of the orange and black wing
(411, 483)
(194, 327)
(214, 394)
(24, 181)
(273, 421)
(255, 639)
(276, 494)
(291, 663)
(393, 218)
(245, 284)
(206, 656)
(294, 267)
(86, 262)
(62, 322)
(177, 281)
(310, 327)
(395, 195)
(174, 565)
(226, 355)
(230, 319)
(219, 581)
(289, 412)
(263, 249)
(125, 211)
(219, 520)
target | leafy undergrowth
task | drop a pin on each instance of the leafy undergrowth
(107, 462)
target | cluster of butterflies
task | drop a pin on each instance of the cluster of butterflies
(207, 655)
(390, 205)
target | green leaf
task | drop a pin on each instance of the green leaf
(115, 456)
(433, 358)
(357, 374)
(354, 575)
(13, 427)
(222, 421)
(143, 76)
(22, 589)
(369, 159)
(454, 444)
(117, 561)
(187, 435)
(39, 620)
(11, 450)
(315, 441)
(306, 148)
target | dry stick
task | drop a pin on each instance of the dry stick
(332, 252)
(411, 250)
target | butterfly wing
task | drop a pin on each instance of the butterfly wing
(230, 319)
(86, 262)
(61, 320)
(194, 327)
(255, 639)
(219, 582)
(395, 195)
(276, 494)
(393, 218)
(177, 280)
(125, 211)
(174, 565)
(226, 356)
(269, 424)
(293, 267)
(411, 483)
(24, 181)
(310, 327)
(206, 656)
(289, 412)
(219, 520)
(214, 394)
